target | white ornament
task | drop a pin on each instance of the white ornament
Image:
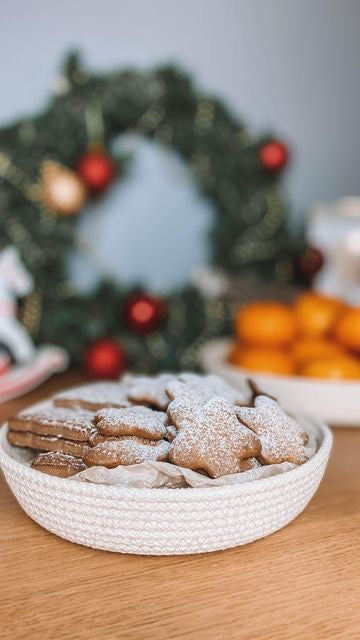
(15, 281)
(334, 228)
(210, 282)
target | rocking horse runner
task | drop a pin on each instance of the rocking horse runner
(32, 365)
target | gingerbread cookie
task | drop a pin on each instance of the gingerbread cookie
(97, 437)
(177, 389)
(282, 439)
(95, 396)
(149, 390)
(71, 424)
(210, 436)
(58, 464)
(46, 443)
(132, 421)
(126, 450)
(184, 397)
(217, 386)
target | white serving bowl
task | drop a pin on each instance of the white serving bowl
(165, 521)
(336, 402)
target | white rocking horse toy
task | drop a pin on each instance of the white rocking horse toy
(15, 282)
(32, 365)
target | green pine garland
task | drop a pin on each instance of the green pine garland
(249, 234)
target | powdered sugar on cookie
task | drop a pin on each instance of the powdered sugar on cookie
(93, 396)
(184, 391)
(126, 451)
(58, 464)
(217, 386)
(210, 436)
(202, 425)
(74, 424)
(47, 443)
(132, 421)
(149, 390)
(282, 439)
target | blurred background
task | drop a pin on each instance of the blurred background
(270, 77)
(282, 65)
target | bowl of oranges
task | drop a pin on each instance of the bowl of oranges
(306, 353)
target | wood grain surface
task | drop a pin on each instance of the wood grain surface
(301, 582)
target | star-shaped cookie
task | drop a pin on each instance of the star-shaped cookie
(185, 397)
(149, 390)
(126, 451)
(185, 391)
(217, 386)
(131, 421)
(282, 439)
(210, 437)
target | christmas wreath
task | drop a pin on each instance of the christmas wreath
(51, 164)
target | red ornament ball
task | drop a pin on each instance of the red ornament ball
(144, 313)
(105, 358)
(308, 264)
(274, 155)
(97, 170)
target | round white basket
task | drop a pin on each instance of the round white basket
(165, 521)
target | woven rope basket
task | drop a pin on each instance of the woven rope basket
(165, 521)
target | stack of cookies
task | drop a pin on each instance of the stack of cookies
(196, 422)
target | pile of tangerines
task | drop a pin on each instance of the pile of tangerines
(316, 336)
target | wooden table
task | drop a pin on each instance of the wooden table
(301, 582)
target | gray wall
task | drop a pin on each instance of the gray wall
(292, 65)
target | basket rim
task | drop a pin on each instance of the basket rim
(68, 485)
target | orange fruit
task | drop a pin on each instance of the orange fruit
(268, 324)
(337, 367)
(316, 313)
(266, 360)
(347, 328)
(306, 349)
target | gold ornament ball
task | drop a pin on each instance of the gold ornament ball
(61, 189)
